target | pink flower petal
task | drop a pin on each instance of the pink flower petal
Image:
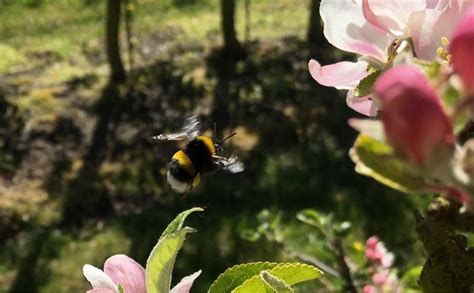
(391, 16)
(101, 290)
(369, 289)
(341, 75)
(371, 243)
(380, 279)
(429, 26)
(186, 283)
(364, 105)
(346, 28)
(462, 48)
(414, 120)
(127, 272)
(426, 39)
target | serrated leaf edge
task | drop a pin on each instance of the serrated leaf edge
(300, 265)
(240, 266)
(277, 266)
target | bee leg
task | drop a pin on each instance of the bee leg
(185, 195)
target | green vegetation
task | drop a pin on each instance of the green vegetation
(80, 182)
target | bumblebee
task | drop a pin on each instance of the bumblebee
(201, 156)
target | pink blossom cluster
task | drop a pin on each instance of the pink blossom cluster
(377, 253)
(396, 42)
(377, 30)
(383, 280)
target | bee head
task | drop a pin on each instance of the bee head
(218, 142)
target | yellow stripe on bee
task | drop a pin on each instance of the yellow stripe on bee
(185, 162)
(208, 142)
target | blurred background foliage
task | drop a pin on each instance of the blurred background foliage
(79, 182)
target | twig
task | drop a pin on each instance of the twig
(344, 267)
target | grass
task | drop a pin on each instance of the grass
(65, 27)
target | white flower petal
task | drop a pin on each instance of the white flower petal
(346, 28)
(186, 283)
(387, 260)
(392, 16)
(98, 278)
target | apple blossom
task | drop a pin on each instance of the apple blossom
(373, 29)
(414, 121)
(462, 48)
(126, 272)
(346, 28)
(376, 252)
(383, 281)
(118, 269)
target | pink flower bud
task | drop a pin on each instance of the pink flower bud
(369, 289)
(380, 279)
(371, 243)
(462, 47)
(413, 117)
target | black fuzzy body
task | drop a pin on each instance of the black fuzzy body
(201, 158)
(179, 172)
(200, 155)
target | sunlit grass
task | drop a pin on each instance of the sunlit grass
(65, 26)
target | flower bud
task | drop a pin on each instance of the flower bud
(462, 48)
(376, 252)
(413, 117)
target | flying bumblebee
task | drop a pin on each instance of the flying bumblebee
(201, 156)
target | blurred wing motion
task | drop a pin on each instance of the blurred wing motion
(189, 131)
(230, 164)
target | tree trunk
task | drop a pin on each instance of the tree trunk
(117, 71)
(232, 46)
(314, 34)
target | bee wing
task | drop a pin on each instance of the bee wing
(189, 131)
(230, 164)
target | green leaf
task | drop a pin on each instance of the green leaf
(160, 263)
(311, 217)
(378, 160)
(178, 222)
(365, 85)
(263, 277)
(250, 235)
(255, 285)
(275, 283)
(236, 275)
(410, 278)
(294, 273)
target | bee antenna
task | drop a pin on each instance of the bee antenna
(215, 129)
(229, 136)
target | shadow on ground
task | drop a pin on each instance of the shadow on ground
(293, 138)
